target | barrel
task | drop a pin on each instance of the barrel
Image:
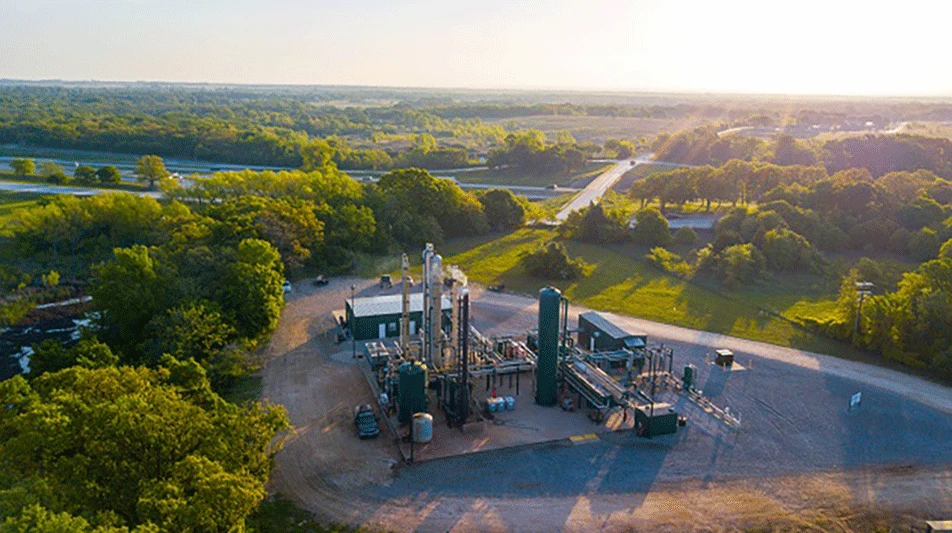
(491, 405)
(422, 428)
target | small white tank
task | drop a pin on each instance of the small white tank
(422, 428)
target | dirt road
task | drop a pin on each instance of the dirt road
(799, 461)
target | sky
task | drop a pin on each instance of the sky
(733, 46)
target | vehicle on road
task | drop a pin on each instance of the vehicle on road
(499, 287)
(385, 281)
(366, 421)
(552, 187)
(286, 286)
(320, 281)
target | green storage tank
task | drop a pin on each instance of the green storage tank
(550, 302)
(688, 377)
(412, 391)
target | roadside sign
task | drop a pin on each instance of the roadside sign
(855, 400)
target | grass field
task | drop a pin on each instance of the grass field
(515, 176)
(600, 129)
(618, 280)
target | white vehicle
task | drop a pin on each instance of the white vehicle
(286, 286)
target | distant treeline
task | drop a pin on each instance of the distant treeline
(880, 154)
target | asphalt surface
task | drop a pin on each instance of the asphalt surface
(40, 188)
(600, 185)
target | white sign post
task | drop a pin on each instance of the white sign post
(855, 400)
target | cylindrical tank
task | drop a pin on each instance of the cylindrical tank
(412, 391)
(550, 300)
(688, 377)
(422, 428)
(510, 403)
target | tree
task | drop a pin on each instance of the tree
(504, 211)
(130, 447)
(552, 261)
(23, 166)
(251, 294)
(786, 250)
(685, 236)
(84, 174)
(108, 175)
(651, 228)
(150, 169)
(53, 172)
(740, 263)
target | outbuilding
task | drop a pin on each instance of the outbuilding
(378, 317)
(598, 333)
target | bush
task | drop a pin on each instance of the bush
(741, 263)
(651, 228)
(787, 250)
(924, 245)
(685, 236)
(669, 262)
(552, 261)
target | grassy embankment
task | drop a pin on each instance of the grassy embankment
(516, 176)
(619, 280)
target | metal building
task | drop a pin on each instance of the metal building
(378, 317)
(597, 333)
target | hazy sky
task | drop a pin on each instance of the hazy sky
(803, 46)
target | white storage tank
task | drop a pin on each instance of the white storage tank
(422, 428)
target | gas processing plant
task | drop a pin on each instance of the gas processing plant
(446, 389)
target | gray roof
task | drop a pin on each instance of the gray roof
(602, 322)
(391, 304)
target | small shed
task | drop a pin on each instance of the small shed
(597, 333)
(378, 317)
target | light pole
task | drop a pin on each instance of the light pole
(353, 320)
(863, 289)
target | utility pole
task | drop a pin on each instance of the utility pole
(353, 320)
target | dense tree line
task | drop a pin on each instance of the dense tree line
(529, 151)
(879, 154)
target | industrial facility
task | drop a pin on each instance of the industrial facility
(444, 388)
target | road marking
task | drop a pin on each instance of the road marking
(584, 439)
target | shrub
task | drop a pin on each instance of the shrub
(552, 261)
(651, 228)
(669, 262)
(685, 236)
(924, 245)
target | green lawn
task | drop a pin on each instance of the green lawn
(618, 280)
(515, 176)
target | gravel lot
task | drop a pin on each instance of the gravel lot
(799, 457)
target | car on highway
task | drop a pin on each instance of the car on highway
(366, 421)
(320, 281)
(552, 186)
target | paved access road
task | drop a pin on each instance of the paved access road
(40, 188)
(600, 185)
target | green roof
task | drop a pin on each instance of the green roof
(391, 304)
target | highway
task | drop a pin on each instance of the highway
(40, 188)
(597, 188)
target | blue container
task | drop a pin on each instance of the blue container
(491, 405)
(510, 403)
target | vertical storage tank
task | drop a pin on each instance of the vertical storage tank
(412, 391)
(550, 300)
(422, 428)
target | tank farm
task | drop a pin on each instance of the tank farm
(445, 389)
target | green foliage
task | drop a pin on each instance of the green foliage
(669, 262)
(53, 172)
(552, 261)
(412, 207)
(924, 244)
(527, 150)
(504, 210)
(84, 175)
(651, 228)
(734, 265)
(108, 175)
(685, 236)
(786, 250)
(52, 279)
(150, 169)
(126, 447)
(23, 166)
